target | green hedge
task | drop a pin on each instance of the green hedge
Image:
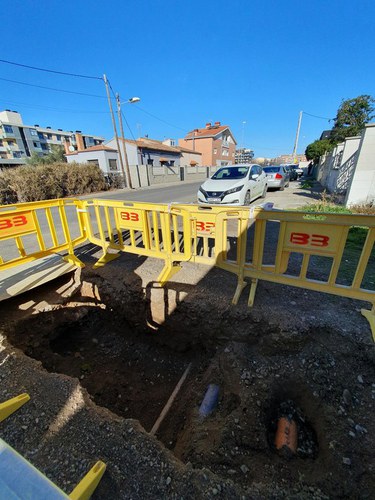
(45, 182)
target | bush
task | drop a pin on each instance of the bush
(46, 182)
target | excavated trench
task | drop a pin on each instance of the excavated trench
(131, 365)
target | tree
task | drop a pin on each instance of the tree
(352, 116)
(318, 148)
(55, 156)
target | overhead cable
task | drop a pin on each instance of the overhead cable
(160, 119)
(315, 116)
(62, 110)
(51, 70)
(52, 88)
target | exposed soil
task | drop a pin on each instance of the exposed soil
(129, 363)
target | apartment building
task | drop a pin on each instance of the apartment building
(18, 141)
(244, 155)
(216, 143)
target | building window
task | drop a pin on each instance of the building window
(215, 151)
(94, 162)
(58, 137)
(171, 163)
(41, 136)
(17, 154)
(112, 164)
(8, 129)
(49, 136)
(36, 144)
(33, 132)
(150, 162)
(45, 147)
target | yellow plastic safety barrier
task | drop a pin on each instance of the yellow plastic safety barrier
(34, 230)
(209, 246)
(178, 233)
(14, 468)
(11, 405)
(148, 229)
(306, 237)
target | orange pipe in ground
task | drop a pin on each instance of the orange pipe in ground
(286, 435)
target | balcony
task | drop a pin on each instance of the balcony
(5, 135)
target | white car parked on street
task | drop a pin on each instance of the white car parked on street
(234, 185)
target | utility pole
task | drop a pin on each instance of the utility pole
(114, 127)
(297, 136)
(119, 114)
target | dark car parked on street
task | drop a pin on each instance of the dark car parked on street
(293, 175)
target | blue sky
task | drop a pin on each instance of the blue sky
(191, 62)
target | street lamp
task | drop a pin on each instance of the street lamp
(132, 100)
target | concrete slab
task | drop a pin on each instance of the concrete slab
(25, 277)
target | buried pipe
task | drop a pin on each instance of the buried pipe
(210, 400)
(286, 436)
(169, 403)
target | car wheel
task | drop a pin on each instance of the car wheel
(247, 198)
(264, 191)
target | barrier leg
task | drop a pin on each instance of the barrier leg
(12, 405)
(253, 289)
(241, 284)
(86, 487)
(104, 259)
(72, 259)
(169, 270)
(370, 316)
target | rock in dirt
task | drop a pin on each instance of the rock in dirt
(347, 397)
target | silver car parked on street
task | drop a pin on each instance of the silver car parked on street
(277, 177)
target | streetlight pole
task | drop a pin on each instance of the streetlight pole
(243, 135)
(119, 114)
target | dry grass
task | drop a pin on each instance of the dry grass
(331, 203)
(45, 182)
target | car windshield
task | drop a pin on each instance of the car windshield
(271, 170)
(227, 173)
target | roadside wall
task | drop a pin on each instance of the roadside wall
(147, 175)
(362, 186)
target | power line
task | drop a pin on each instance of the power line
(52, 88)
(127, 124)
(160, 119)
(315, 116)
(62, 110)
(51, 70)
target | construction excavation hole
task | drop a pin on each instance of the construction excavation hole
(131, 367)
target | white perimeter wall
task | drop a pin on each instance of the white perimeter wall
(362, 188)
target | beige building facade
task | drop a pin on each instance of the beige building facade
(215, 142)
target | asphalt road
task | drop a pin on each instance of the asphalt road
(186, 192)
(183, 192)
